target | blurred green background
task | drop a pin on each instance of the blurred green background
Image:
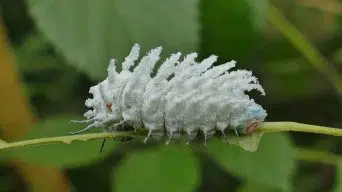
(52, 51)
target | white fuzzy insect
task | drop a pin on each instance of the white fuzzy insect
(184, 96)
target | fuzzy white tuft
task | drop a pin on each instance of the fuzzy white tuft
(184, 96)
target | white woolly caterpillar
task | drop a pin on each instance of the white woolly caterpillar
(183, 97)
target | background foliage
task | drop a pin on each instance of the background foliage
(61, 48)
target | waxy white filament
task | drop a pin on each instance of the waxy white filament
(184, 96)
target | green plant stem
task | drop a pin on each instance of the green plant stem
(309, 51)
(266, 127)
(318, 156)
(299, 127)
(63, 139)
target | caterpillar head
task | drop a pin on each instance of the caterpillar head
(254, 115)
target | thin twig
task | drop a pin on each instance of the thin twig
(299, 127)
(63, 139)
(318, 157)
(298, 40)
(266, 127)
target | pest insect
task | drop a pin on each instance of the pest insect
(184, 97)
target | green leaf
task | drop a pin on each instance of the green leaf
(248, 187)
(247, 142)
(271, 165)
(338, 180)
(159, 169)
(78, 153)
(88, 33)
(231, 28)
